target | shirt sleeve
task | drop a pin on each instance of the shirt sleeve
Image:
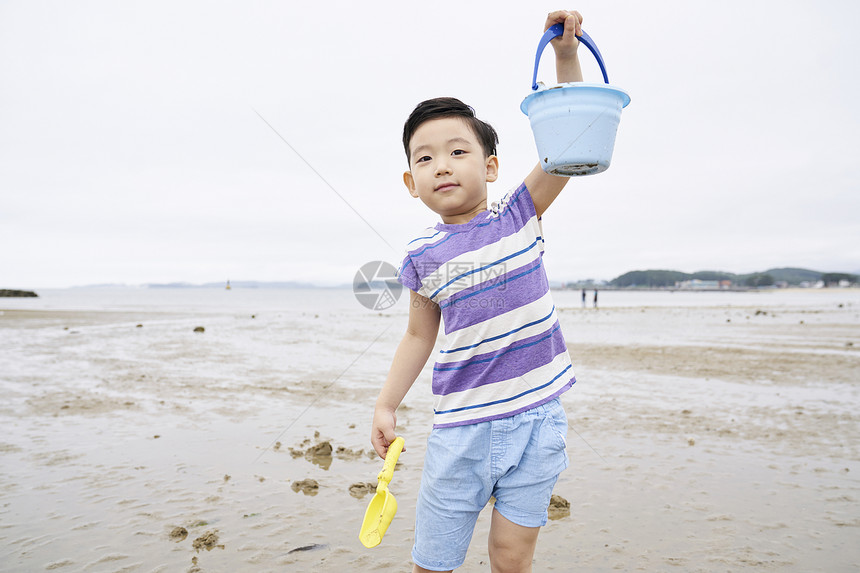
(407, 274)
(518, 200)
(518, 203)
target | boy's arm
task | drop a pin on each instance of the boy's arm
(411, 356)
(544, 188)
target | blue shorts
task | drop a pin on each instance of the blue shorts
(517, 460)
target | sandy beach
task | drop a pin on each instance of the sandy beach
(704, 437)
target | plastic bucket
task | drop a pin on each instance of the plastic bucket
(574, 124)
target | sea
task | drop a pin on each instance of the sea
(343, 300)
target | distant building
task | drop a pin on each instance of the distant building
(696, 284)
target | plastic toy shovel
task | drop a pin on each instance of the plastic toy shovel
(383, 506)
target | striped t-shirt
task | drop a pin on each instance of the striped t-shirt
(504, 351)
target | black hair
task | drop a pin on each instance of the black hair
(449, 107)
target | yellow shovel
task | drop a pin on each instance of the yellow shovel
(383, 506)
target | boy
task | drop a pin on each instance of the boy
(499, 429)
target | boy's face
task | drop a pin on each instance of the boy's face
(449, 171)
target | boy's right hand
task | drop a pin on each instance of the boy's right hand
(382, 432)
(565, 46)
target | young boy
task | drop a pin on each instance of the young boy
(499, 429)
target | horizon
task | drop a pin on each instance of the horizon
(252, 283)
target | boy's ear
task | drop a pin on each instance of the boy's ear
(409, 181)
(492, 168)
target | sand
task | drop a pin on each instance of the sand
(720, 438)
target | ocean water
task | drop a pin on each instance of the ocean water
(192, 300)
(342, 300)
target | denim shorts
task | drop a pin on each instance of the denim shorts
(517, 460)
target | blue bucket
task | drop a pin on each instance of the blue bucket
(575, 123)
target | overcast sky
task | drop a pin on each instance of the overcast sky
(131, 149)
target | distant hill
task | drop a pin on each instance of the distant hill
(794, 276)
(262, 284)
(650, 278)
(12, 293)
(237, 284)
(655, 278)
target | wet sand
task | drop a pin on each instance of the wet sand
(702, 439)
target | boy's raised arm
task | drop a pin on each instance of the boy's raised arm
(544, 188)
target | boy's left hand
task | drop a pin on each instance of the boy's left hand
(565, 46)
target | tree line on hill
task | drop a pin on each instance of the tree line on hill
(17, 293)
(666, 278)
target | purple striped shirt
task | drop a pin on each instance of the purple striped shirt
(504, 351)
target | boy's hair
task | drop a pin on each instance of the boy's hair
(449, 107)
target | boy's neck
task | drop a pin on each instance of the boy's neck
(463, 218)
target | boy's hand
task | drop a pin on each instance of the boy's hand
(565, 46)
(382, 432)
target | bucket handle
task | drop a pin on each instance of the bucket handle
(557, 30)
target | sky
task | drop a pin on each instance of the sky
(192, 141)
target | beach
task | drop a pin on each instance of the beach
(708, 432)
